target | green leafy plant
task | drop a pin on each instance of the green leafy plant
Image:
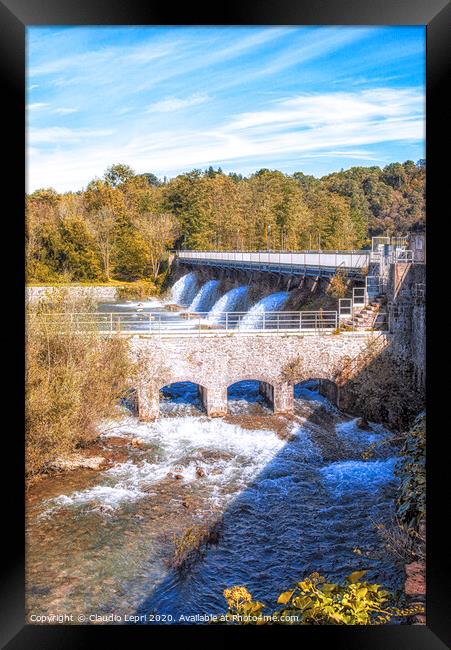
(314, 601)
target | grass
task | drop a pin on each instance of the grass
(191, 544)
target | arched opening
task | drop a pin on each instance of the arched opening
(315, 390)
(250, 397)
(181, 398)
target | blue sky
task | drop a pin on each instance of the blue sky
(169, 99)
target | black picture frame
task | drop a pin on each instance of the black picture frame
(15, 16)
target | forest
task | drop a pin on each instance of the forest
(121, 226)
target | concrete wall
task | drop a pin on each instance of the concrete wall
(96, 293)
(216, 363)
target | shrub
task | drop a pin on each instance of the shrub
(137, 291)
(73, 380)
(337, 286)
(383, 390)
(292, 371)
(317, 602)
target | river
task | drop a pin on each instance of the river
(290, 495)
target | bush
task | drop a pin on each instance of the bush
(292, 371)
(137, 291)
(72, 382)
(337, 286)
(317, 602)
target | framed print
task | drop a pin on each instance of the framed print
(229, 227)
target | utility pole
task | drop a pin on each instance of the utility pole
(268, 233)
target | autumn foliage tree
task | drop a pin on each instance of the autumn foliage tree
(122, 225)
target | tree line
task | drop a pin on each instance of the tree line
(122, 225)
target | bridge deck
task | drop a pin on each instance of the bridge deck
(312, 263)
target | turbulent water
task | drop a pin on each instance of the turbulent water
(184, 290)
(273, 302)
(233, 300)
(293, 494)
(205, 297)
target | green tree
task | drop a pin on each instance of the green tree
(118, 174)
(129, 253)
(77, 254)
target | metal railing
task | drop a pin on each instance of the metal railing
(295, 262)
(375, 285)
(345, 309)
(359, 297)
(403, 255)
(158, 323)
(394, 256)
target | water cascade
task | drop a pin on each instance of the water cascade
(205, 297)
(233, 300)
(184, 290)
(254, 317)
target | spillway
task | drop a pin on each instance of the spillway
(273, 302)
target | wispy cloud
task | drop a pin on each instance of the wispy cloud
(269, 96)
(63, 135)
(320, 109)
(316, 125)
(36, 106)
(65, 110)
(170, 104)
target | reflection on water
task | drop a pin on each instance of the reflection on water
(100, 541)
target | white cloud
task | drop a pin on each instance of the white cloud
(175, 103)
(65, 111)
(315, 110)
(35, 106)
(63, 135)
(308, 125)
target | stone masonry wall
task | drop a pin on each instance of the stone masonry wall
(408, 316)
(217, 362)
(97, 293)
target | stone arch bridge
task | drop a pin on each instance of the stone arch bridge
(214, 363)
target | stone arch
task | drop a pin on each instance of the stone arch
(180, 380)
(265, 387)
(279, 393)
(326, 387)
(184, 391)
